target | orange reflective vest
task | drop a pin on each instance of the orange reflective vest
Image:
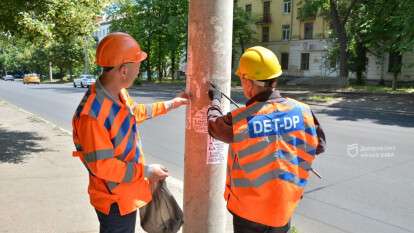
(108, 143)
(273, 148)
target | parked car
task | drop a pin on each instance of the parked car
(84, 80)
(8, 77)
(31, 78)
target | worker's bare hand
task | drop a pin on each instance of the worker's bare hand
(181, 99)
(158, 172)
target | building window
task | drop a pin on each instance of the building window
(265, 34)
(285, 61)
(304, 61)
(394, 62)
(266, 9)
(285, 32)
(286, 6)
(248, 9)
(308, 31)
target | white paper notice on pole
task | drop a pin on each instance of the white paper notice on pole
(216, 151)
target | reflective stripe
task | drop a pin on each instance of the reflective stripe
(257, 146)
(82, 103)
(130, 144)
(96, 105)
(112, 114)
(111, 185)
(121, 132)
(248, 111)
(239, 137)
(129, 172)
(296, 142)
(148, 110)
(236, 165)
(99, 155)
(269, 176)
(300, 144)
(250, 167)
(137, 154)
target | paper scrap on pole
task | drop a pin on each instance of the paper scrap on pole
(216, 151)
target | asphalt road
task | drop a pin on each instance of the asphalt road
(367, 170)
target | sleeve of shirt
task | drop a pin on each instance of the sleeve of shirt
(321, 136)
(219, 126)
(98, 153)
(144, 112)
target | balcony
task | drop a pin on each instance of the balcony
(265, 20)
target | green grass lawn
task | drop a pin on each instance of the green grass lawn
(320, 98)
(379, 89)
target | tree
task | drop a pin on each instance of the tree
(243, 32)
(338, 12)
(390, 30)
(54, 29)
(159, 26)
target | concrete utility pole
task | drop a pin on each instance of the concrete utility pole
(209, 59)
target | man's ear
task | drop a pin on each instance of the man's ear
(123, 71)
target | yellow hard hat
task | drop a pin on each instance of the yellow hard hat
(259, 63)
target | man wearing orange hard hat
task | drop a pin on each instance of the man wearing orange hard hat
(107, 140)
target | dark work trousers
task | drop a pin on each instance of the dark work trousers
(241, 225)
(115, 223)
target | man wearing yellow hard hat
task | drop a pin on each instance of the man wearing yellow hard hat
(273, 142)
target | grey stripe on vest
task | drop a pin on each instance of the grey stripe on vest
(236, 165)
(148, 110)
(99, 155)
(305, 147)
(111, 185)
(258, 146)
(243, 135)
(111, 116)
(268, 176)
(270, 139)
(131, 140)
(250, 167)
(249, 111)
(129, 172)
(119, 137)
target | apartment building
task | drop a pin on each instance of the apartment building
(301, 43)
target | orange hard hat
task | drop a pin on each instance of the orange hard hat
(118, 48)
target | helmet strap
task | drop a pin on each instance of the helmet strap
(263, 84)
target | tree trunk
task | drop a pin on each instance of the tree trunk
(361, 61)
(159, 65)
(149, 74)
(70, 71)
(173, 55)
(382, 80)
(340, 31)
(394, 81)
(241, 41)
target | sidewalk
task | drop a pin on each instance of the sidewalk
(44, 189)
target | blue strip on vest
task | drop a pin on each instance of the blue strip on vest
(287, 176)
(96, 107)
(275, 123)
(137, 154)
